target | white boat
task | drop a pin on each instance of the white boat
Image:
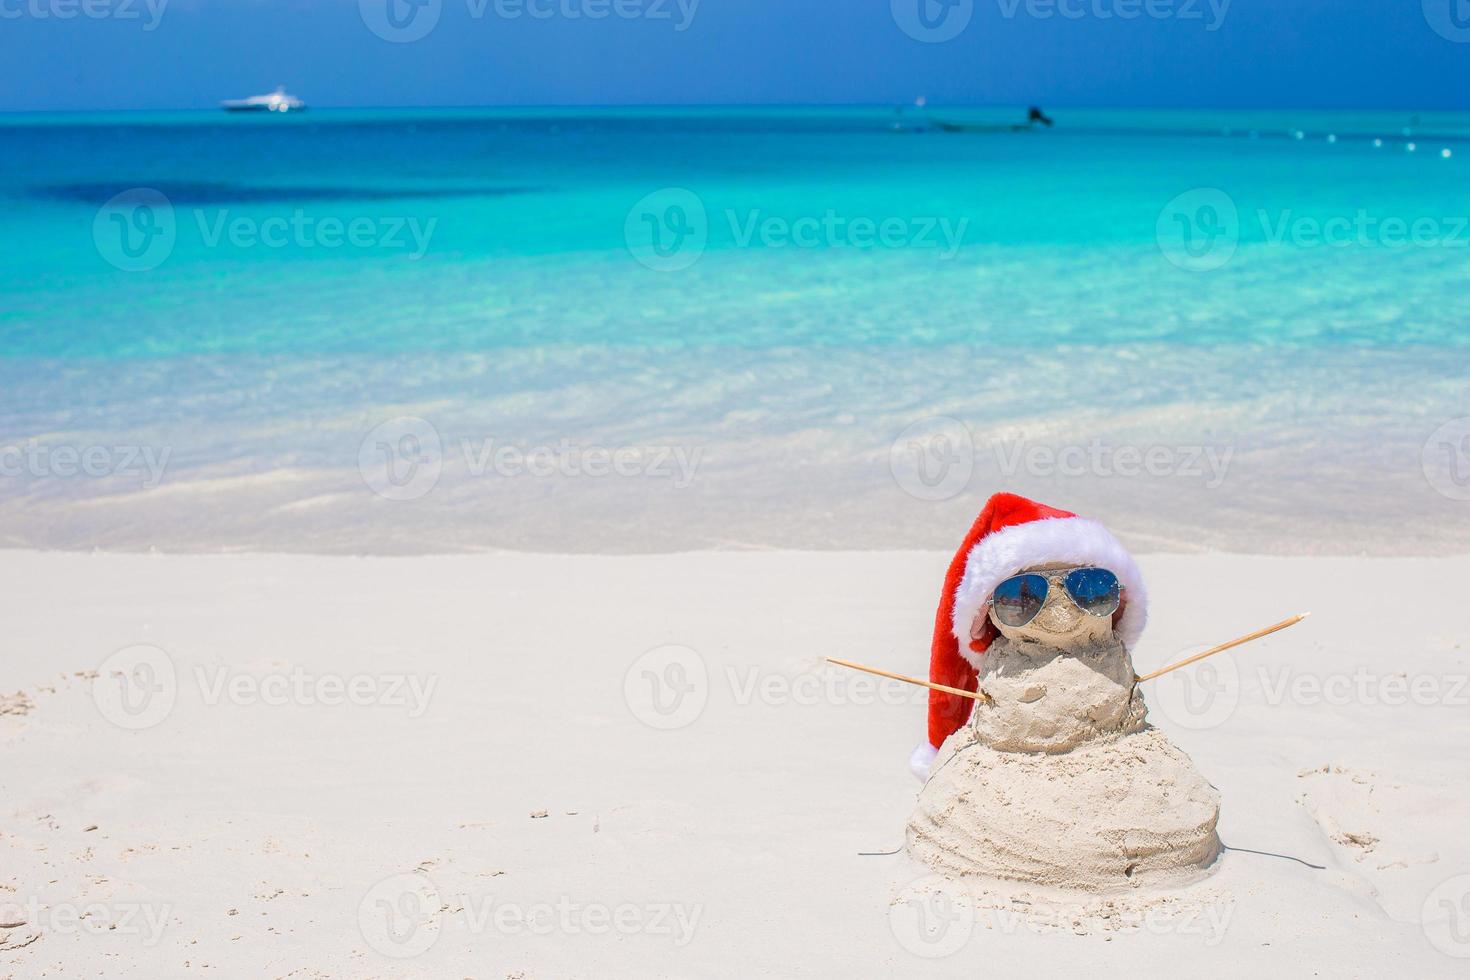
(277, 101)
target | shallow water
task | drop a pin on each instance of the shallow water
(629, 332)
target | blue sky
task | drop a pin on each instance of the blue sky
(152, 54)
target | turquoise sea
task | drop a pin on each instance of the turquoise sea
(422, 331)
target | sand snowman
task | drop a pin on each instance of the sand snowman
(1055, 778)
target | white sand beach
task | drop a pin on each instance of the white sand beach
(514, 765)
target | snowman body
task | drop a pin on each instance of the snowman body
(1057, 779)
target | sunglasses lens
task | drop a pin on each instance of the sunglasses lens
(1095, 590)
(1018, 600)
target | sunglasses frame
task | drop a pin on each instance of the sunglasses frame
(1058, 576)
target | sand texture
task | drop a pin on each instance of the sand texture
(753, 828)
(1115, 813)
(1043, 700)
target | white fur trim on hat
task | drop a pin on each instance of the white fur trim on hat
(921, 759)
(1074, 540)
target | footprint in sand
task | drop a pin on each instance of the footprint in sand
(1342, 802)
(16, 704)
(1348, 805)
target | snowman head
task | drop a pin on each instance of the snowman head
(1056, 604)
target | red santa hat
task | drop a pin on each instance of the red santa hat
(1011, 535)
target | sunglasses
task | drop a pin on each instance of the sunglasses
(1017, 600)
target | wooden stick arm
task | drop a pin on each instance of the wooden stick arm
(973, 695)
(982, 696)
